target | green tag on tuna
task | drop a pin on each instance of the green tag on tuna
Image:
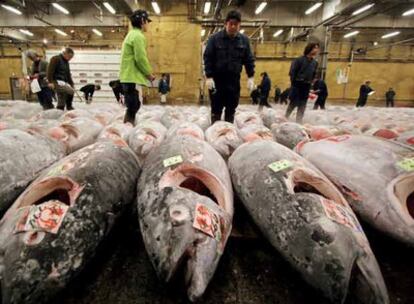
(407, 164)
(280, 165)
(173, 161)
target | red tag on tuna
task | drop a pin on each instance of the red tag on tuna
(207, 221)
(340, 215)
(46, 217)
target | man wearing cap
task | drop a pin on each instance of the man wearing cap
(226, 53)
(38, 72)
(135, 68)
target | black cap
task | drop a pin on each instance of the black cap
(140, 16)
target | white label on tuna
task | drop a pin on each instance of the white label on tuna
(280, 165)
(46, 217)
(173, 161)
(407, 164)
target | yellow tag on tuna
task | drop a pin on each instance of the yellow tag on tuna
(407, 164)
(173, 161)
(280, 165)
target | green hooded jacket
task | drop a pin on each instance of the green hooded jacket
(135, 66)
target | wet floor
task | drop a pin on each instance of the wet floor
(250, 271)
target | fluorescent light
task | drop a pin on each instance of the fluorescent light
(203, 32)
(109, 8)
(278, 33)
(11, 9)
(156, 7)
(97, 32)
(389, 35)
(72, 31)
(45, 41)
(375, 43)
(363, 9)
(313, 8)
(354, 33)
(241, 31)
(60, 32)
(60, 8)
(409, 13)
(260, 8)
(26, 32)
(207, 7)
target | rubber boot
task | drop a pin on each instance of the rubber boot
(215, 117)
(69, 103)
(229, 118)
(129, 118)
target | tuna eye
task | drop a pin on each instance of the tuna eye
(179, 213)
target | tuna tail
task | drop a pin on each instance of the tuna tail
(367, 284)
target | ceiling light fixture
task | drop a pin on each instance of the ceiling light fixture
(60, 32)
(351, 34)
(278, 33)
(26, 32)
(260, 8)
(313, 8)
(408, 13)
(389, 35)
(207, 7)
(60, 8)
(11, 9)
(156, 7)
(99, 33)
(110, 8)
(363, 9)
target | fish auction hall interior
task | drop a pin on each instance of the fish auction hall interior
(195, 151)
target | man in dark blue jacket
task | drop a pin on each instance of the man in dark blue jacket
(265, 87)
(364, 91)
(226, 53)
(302, 73)
(320, 88)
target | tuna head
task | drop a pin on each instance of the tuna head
(55, 227)
(186, 128)
(289, 134)
(185, 211)
(223, 136)
(146, 136)
(255, 132)
(173, 242)
(76, 133)
(375, 175)
(307, 220)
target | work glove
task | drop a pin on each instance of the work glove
(210, 84)
(250, 84)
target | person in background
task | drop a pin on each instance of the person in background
(225, 55)
(89, 90)
(60, 78)
(163, 88)
(320, 88)
(255, 96)
(278, 92)
(364, 91)
(135, 67)
(117, 89)
(389, 97)
(39, 72)
(302, 73)
(265, 87)
(285, 96)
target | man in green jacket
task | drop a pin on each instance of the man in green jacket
(135, 67)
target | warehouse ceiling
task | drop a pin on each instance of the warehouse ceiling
(93, 23)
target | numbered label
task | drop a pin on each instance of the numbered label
(173, 161)
(407, 164)
(280, 165)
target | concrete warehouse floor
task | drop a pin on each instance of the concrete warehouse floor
(250, 271)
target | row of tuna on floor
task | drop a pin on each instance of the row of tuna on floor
(66, 178)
